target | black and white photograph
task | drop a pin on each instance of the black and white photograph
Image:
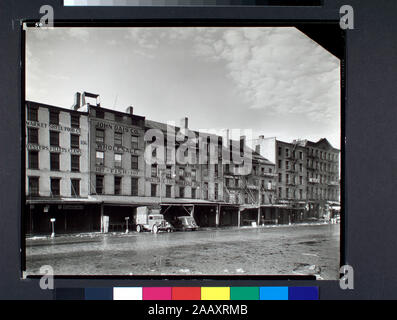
(181, 150)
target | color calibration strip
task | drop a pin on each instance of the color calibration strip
(189, 293)
(154, 3)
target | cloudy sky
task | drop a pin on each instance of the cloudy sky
(273, 81)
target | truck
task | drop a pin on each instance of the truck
(185, 223)
(150, 219)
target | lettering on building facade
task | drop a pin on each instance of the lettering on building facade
(37, 147)
(135, 173)
(51, 126)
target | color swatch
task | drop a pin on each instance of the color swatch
(188, 293)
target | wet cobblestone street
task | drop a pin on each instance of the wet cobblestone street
(277, 250)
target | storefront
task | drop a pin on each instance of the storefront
(71, 216)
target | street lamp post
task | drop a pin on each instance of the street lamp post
(53, 227)
(126, 224)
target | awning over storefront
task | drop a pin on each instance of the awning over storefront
(126, 200)
(88, 200)
(188, 202)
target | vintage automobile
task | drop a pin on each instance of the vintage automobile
(150, 219)
(185, 223)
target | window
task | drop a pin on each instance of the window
(75, 120)
(117, 160)
(216, 191)
(54, 117)
(181, 172)
(33, 186)
(153, 190)
(280, 177)
(99, 158)
(134, 162)
(54, 138)
(300, 167)
(100, 136)
(55, 186)
(33, 135)
(100, 114)
(33, 158)
(75, 163)
(300, 180)
(118, 139)
(134, 186)
(32, 114)
(75, 187)
(287, 152)
(54, 161)
(118, 118)
(117, 185)
(279, 151)
(193, 193)
(287, 193)
(135, 122)
(99, 184)
(168, 172)
(279, 164)
(216, 170)
(206, 190)
(270, 170)
(154, 170)
(287, 165)
(181, 192)
(134, 142)
(300, 155)
(279, 192)
(287, 178)
(74, 141)
(168, 191)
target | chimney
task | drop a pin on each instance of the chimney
(92, 96)
(77, 100)
(261, 137)
(130, 110)
(258, 148)
(184, 123)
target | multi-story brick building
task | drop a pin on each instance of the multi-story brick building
(307, 174)
(57, 169)
(90, 167)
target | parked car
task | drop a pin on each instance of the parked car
(150, 219)
(185, 223)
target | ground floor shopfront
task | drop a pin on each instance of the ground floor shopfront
(42, 217)
(118, 214)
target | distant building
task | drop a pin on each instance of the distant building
(307, 174)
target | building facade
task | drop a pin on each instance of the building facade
(307, 175)
(57, 169)
(90, 167)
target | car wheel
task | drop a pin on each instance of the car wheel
(169, 230)
(155, 229)
(138, 228)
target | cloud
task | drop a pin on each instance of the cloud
(279, 70)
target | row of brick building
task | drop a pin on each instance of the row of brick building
(89, 162)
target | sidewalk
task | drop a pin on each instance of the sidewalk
(121, 234)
